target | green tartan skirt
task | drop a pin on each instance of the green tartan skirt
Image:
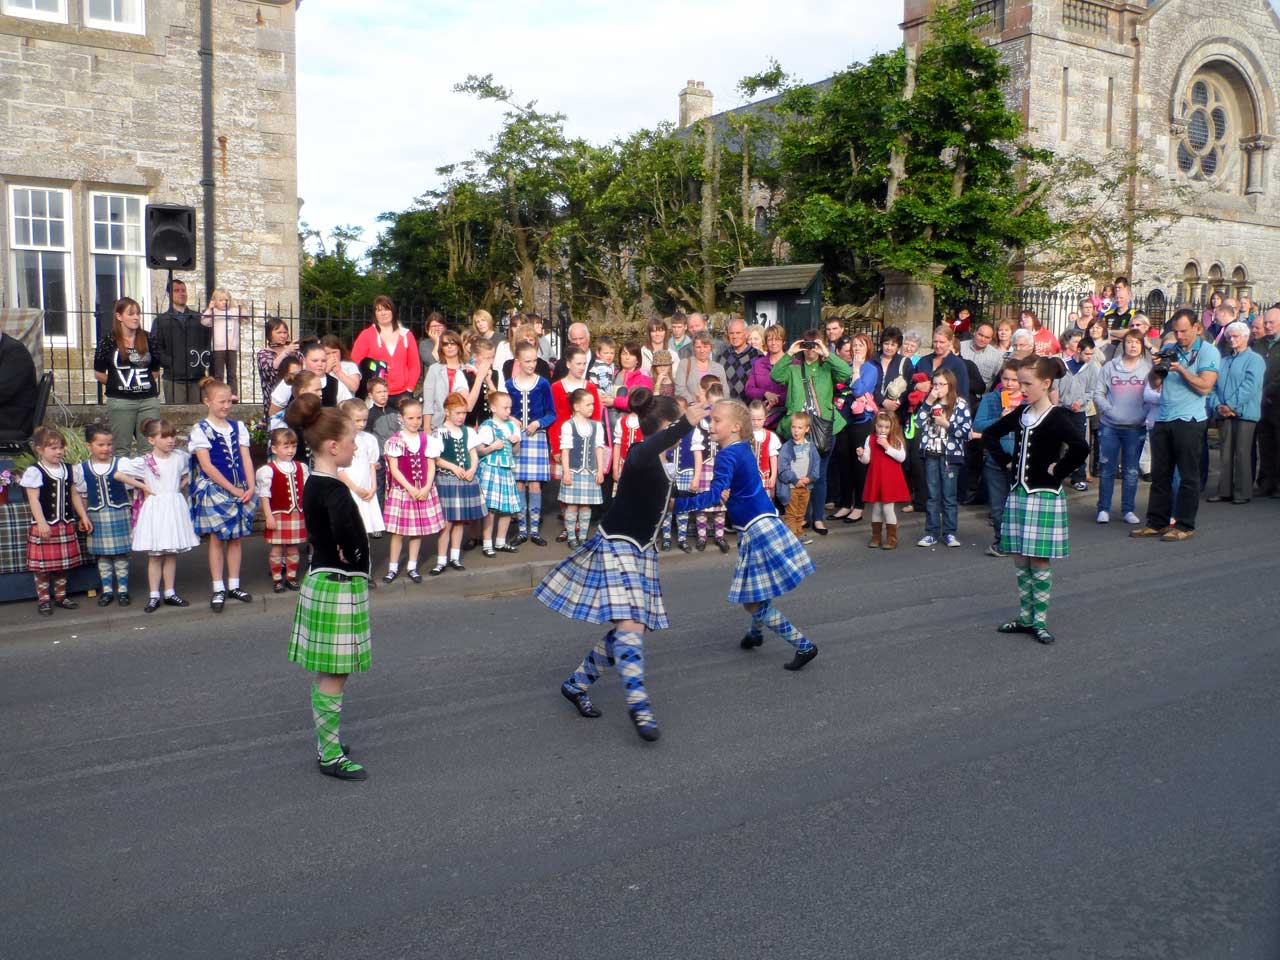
(331, 624)
(1035, 525)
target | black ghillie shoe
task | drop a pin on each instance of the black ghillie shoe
(293, 585)
(800, 659)
(344, 769)
(104, 599)
(218, 601)
(414, 575)
(45, 609)
(507, 548)
(749, 641)
(684, 546)
(244, 596)
(277, 586)
(537, 541)
(65, 604)
(1014, 626)
(489, 552)
(456, 565)
(391, 576)
(724, 547)
(646, 725)
(580, 700)
(438, 569)
(1042, 635)
(123, 598)
(153, 604)
(173, 600)
(518, 539)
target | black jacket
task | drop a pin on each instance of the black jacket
(641, 498)
(17, 390)
(1052, 441)
(1269, 349)
(181, 345)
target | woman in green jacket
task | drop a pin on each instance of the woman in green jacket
(809, 359)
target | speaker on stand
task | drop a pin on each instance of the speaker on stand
(171, 238)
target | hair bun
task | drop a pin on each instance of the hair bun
(303, 411)
(640, 401)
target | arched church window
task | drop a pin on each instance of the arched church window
(1206, 114)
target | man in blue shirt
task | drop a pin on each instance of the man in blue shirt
(1178, 438)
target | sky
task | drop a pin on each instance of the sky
(377, 115)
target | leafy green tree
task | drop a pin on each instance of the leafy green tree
(331, 279)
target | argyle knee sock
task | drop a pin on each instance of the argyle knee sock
(682, 526)
(592, 665)
(291, 565)
(121, 565)
(702, 526)
(60, 589)
(326, 712)
(572, 523)
(277, 566)
(42, 587)
(535, 519)
(756, 630)
(627, 650)
(720, 525)
(522, 518)
(1041, 588)
(104, 574)
(772, 618)
(666, 527)
(584, 522)
(1024, 596)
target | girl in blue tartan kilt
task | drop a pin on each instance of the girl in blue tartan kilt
(499, 438)
(1047, 448)
(771, 561)
(331, 623)
(582, 445)
(109, 504)
(533, 407)
(456, 483)
(223, 501)
(613, 577)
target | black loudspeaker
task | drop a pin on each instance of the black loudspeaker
(171, 237)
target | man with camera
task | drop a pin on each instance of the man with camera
(1189, 368)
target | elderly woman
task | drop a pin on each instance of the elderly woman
(1237, 400)
(911, 341)
(810, 374)
(281, 345)
(1023, 345)
(700, 365)
(387, 349)
(761, 385)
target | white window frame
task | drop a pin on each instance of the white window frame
(10, 10)
(138, 27)
(144, 298)
(73, 316)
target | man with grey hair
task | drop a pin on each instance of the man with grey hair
(737, 357)
(1237, 400)
(579, 336)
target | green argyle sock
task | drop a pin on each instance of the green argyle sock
(326, 710)
(1025, 612)
(1041, 588)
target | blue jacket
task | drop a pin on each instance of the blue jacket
(1239, 384)
(786, 474)
(738, 472)
(989, 411)
(866, 382)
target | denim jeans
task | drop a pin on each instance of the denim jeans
(818, 501)
(997, 481)
(941, 512)
(1120, 447)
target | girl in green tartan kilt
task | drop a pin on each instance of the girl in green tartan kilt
(1047, 448)
(331, 624)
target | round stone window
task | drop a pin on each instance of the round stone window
(1207, 118)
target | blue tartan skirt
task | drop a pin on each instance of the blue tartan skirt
(771, 561)
(1035, 525)
(580, 489)
(216, 512)
(533, 459)
(605, 580)
(460, 500)
(498, 489)
(112, 532)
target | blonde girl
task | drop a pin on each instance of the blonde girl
(884, 454)
(223, 317)
(57, 512)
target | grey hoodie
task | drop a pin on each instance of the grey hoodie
(1119, 393)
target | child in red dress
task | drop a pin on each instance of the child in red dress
(884, 452)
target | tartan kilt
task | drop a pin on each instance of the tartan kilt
(112, 532)
(580, 489)
(60, 552)
(407, 517)
(331, 624)
(606, 580)
(533, 458)
(704, 484)
(460, 500)
(1035, 525)
(216, 512)
(771, 561)
(290, 530)
(498, 489)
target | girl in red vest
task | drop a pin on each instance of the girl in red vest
(280, 485)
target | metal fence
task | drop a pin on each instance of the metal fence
(1053, 308)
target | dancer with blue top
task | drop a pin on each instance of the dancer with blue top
(771, 561)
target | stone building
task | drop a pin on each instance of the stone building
(101, 114)
(1189, 86)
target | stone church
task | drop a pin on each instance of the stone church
(1189, 86)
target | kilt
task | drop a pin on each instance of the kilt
(580, 489)
(112, 532)
(290, 530)
(704, 484)
(216, 512)
(533, 459)
(606, 580)
(412, 518)
(331, 624)
(771, 561)
(498, 489)
(60, 552)
(1035, 525)
(460, 500)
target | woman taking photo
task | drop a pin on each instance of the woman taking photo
(857, 405)
(281, 345)
(386, 349)
(761, 385)
(125, 365)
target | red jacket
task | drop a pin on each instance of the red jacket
(401, 369)
(560, 400)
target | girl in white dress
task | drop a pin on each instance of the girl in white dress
(163, 527)
(361, 477)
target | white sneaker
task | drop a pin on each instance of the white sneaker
(927, 541)
(1132, 519)
(1104, 517)
(952, 540)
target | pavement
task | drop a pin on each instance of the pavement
(926, 788)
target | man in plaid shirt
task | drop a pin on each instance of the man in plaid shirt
(736, 357)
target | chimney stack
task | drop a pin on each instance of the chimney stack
(695, 103)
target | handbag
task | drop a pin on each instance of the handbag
(820, 430)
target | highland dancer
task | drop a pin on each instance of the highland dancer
(613, 576)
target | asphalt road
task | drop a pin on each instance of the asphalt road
(925, 789)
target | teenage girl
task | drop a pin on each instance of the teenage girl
(531, 405)
(944, 420)
(884, 453)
